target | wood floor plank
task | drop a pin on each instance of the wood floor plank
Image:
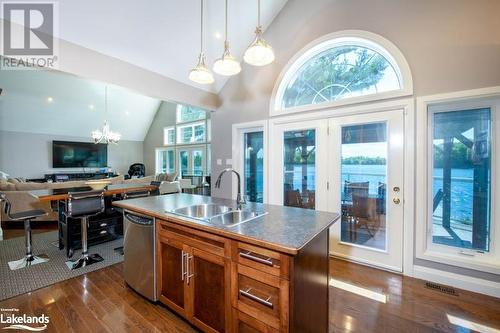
(101, 302)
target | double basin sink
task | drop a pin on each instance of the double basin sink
(217, 214)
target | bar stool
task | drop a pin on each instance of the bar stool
(83, 205)
(29, 259)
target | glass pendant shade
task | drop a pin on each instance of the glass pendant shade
(259, 53)
(227, 65)
(201, 74)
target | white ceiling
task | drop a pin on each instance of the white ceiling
(77, 106)
(162, 35)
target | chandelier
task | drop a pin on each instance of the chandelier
(105, 135)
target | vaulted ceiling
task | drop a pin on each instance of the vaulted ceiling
(163, 36)
(48, 102)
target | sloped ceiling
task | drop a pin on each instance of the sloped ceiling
(163, 36)
(50, 102)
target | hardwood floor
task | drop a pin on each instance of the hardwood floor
(101, 302)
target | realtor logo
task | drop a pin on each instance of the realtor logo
(28, 30)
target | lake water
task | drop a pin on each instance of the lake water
(461, 188)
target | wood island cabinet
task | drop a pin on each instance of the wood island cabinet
(224, 285)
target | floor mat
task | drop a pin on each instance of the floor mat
(13, 283)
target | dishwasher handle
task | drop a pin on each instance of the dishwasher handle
(141, 220)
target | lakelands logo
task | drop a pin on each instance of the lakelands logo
(16, 321)
(28, 30)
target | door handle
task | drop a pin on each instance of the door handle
(188, 270)
(397, 201)
(183, 269)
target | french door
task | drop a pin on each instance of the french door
(366, 176)
(191, 160)
(352, 165)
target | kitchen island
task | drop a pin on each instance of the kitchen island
(268, 274)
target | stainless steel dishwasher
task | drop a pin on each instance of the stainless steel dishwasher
(139, 250)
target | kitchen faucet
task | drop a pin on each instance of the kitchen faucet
(240, 200)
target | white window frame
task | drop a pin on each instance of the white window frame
(157, 160)
(425, 249)
(166, 136)
(192, 125)
(347, 37)
(238, 156)
(178, 115)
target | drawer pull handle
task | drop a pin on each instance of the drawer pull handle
(262, 301)
(103, 232)
(249, 256)
(103, 224)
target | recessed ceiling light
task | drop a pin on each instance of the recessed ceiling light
(218, 35)
(50, 99)
(91, 106)
(127, 113)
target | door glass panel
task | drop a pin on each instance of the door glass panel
(363, 185)
(197, 162)
(299, 168)
(171, 161)
(184, 162)
(254, 166)
(461, 177)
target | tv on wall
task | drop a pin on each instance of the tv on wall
(67, 154)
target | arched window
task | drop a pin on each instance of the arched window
(342, 68)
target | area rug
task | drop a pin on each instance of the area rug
(13, 283)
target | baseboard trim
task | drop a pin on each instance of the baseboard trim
(468, 283)
(366, 263)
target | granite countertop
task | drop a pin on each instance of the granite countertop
(286, 229)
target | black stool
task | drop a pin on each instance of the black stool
(29, 259)
(83, 205)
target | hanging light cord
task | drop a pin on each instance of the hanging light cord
(105, 102)
(201, 39)
(258, 13)
(225, 32)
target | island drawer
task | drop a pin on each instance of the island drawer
(243, 323)
(260, 295)
(264, 260)
(202, 240)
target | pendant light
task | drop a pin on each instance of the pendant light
(227, 65)
(259, 53)
(105, 135)
(201, 74)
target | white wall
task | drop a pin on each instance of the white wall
(29, 155)
(450, 45)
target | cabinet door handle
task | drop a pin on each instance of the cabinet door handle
(188, 270)
(103, 224)
(102, 232)
(249, 256)
(257, 299)
(183, 264)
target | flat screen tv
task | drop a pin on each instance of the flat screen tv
(67, 154)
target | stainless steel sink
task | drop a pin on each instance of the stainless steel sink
(235, 217)
(203, 212)
(217, 214)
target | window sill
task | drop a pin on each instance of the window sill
(487, 262)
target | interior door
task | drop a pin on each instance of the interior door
(208, 283)
(366, 186)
